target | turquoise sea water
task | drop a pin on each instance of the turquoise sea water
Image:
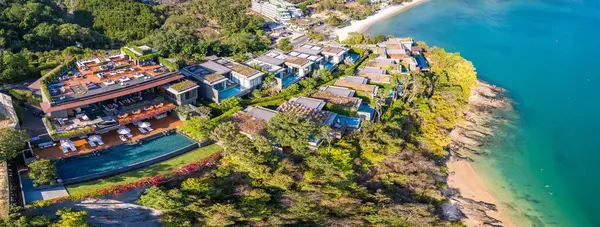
(546, 54)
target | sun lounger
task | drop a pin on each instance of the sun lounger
(92, 143)
(149, 129)
(129, 135)
(64, 149)
(100, 142)
(123, 138)
(142, 130)
(72, 147)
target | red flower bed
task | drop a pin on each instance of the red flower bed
(148, 181)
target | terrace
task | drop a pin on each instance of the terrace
(111, 138)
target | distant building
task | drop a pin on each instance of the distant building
(273, 10)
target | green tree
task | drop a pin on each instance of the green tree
(161, 199)
(12, 142)
(42, 172)
(220, 215)
(226, 133)
(14, 67)
(69, 218)
(230, 103)
(334, 21)
(292, 129)
(285, 44)
(198, 128)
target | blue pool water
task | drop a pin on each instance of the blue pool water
(121, 156)
(354, 57)
(230, 92)
(545, 53)
(289, 80)
(348, 121)
(328, 66)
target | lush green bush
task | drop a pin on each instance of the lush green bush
(42, 172)
(161, 199)
(173, 66)
(198, 128)
(12, 142)
(226, 114)
(25, 96)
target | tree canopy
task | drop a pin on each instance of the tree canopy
(12, 142)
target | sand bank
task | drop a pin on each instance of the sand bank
(468, 182)
(363, 25)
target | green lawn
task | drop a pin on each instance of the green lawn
(152, 170)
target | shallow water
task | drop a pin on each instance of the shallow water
(544, 164)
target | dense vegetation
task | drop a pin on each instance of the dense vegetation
(66, 217)
(38, 35)
(388, 174)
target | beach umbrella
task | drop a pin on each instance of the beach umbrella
(145, 124)
(123, 130)
(95, 137)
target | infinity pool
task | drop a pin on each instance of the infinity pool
(121, 156)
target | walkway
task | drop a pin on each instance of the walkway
(110, 211)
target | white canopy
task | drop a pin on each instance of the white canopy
(145, 124)
(66, 142)
(123, 130)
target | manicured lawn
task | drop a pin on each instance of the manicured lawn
(152, 170)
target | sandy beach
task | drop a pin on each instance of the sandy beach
(468, 182)
(363, 25)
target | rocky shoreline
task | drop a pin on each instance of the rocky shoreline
(469, 196)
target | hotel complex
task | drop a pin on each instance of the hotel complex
(106, 106)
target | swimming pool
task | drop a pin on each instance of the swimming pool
(228, 93)
(351, 122)
(121, 158)
(289, 80)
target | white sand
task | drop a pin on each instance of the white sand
(363, 25)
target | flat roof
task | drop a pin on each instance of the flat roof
(333, 50)
(270, 60)
(354, 79)
(310, 51)
(338, 91)
(297, 61)
(245, 70)
(316, 104)
(124, 90)
(260, 112)
(373, 70)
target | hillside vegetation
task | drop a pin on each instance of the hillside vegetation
(388, 174)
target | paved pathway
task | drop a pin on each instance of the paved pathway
(111, 211)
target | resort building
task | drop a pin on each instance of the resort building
(286, 73)
(222, 78)
(375, 75)
(357, 83)
(341, 98)
(8, 115)
(274, 10)
(324, 56)
(95, 104)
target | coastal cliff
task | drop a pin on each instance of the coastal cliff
(467, 193)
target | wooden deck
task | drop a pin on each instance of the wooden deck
(110, 139)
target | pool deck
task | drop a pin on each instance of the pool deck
(110, 139)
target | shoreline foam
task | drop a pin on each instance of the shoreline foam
(363, 25)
